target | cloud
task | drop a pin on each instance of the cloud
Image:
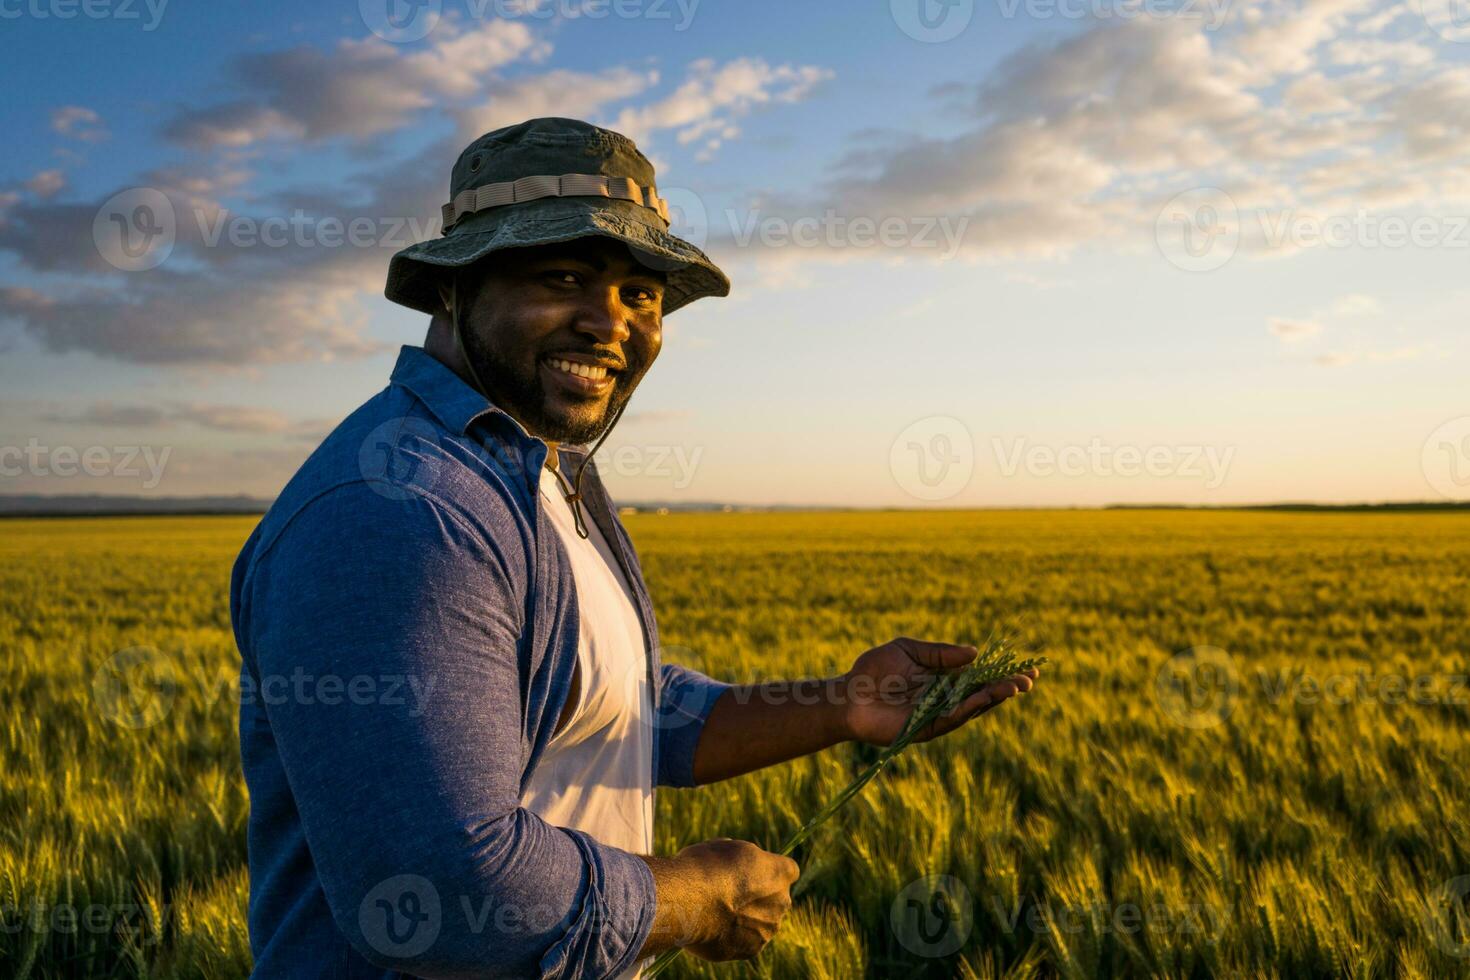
(1280, 38)
(1293, 330)
(1082, 142)
(1347, 358)
(78, 122)
(198, 320)
(358, 89)
(1356, 304)
(226, 300)
(656, 416)
(559, 92)
(703, 108)
(109, 415)
(46, 183)
(1360, 51)
(214, 417)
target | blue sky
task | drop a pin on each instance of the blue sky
(1164, 251)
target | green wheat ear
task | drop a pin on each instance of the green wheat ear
(997, 659)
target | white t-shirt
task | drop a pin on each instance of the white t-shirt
(596, 774)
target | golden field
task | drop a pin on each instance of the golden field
(1248, 756)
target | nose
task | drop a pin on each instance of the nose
(603, 317)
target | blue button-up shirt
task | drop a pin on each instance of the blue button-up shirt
(407, 624)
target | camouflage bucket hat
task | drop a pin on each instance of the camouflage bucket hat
(551, 180)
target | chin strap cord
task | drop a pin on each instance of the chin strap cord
(571, 491)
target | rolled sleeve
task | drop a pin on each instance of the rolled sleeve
(424, 788)
(687, 698)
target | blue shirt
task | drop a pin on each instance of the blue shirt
(407, 625)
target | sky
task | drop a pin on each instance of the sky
(984, 253)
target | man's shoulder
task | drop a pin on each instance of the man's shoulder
(391, 468)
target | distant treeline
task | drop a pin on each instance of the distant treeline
(1424, 506)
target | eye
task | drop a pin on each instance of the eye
(562, 277)
(640, 296)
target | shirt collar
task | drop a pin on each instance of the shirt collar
(455, 404)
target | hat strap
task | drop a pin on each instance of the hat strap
(474, 199)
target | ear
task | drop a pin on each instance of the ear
(447, 289)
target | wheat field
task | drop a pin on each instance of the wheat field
(1247, 757)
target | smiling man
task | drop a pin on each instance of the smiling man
(464, 783)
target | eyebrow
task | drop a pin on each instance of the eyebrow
(590, 257)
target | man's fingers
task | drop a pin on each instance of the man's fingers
(936, 656)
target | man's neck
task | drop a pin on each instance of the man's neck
(440, 345)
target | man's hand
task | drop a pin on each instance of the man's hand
(720, 900)
(884, 685)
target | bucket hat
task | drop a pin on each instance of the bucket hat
(552, 180)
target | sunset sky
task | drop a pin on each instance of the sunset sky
(1195, 252)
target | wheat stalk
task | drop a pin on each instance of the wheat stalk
(996, 661)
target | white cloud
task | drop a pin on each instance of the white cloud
(358, 89)
(1293, 330)
(1359, 51)
(553, 93)
(46, 183)
(78, 122)
(1347, 358)
(712, 95)
(1356, 304)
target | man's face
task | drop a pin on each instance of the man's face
(562, 334)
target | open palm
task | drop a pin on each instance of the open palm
(885, 684)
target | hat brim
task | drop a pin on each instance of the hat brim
(414, 273)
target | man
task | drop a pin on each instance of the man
(456, 708)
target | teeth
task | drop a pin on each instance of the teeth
(580, 370)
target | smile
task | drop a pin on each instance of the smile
(592, 372)
(579, 379)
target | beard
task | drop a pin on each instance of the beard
(523, 394)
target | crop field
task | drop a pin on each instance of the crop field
(1249, 755)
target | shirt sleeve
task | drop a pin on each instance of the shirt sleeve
(687, 698)
(409, 795)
